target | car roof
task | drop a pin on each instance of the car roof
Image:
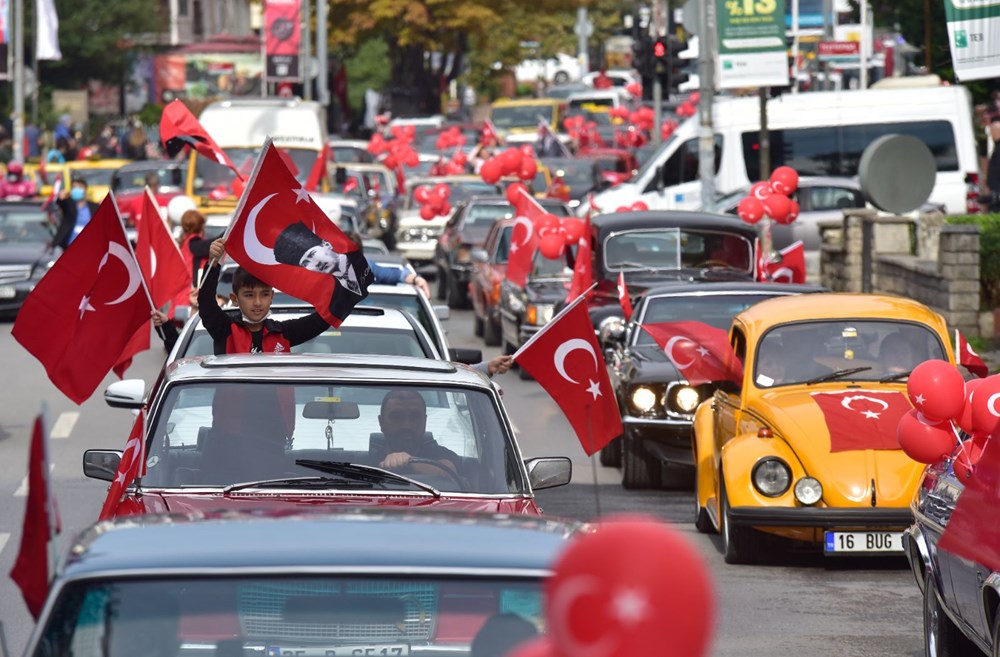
(605, 224)
(346, 539)
(728, 287)
(836, 305)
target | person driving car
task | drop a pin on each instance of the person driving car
(403, 420)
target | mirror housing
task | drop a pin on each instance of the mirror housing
(101, 463)
(465, 356)
(130, 393)
(549, 471)
(442, 312)
(480, 256)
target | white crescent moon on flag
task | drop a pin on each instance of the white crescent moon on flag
(783, 272)
(564, 350)
(757, 193)
(152, 262)
(251, 244)
(524, 221)
(991, 404)
(134, 277)
(846, 401)
(669, 351)
(563, 599)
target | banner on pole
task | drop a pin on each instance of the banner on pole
(753, 49)
(283, 39)
(4, 39)
(974, 38)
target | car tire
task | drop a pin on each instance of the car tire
(561, 77)
(941, 637)
(702, 521)
(477, 326)
(639, 469)
(457, 298)
(491, 333)
(739, 544)
(611, 454)
(442, 280)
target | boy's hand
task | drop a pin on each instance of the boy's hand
(500, 364)
(159, 318)
(217, 250)
(420, 283)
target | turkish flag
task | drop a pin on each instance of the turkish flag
(132, 465)
(862, 419)
(968, 358)
(701, 353)
(490, 136)
(583, 266)
(623, 297)
(523, 238)
(31, 571)
(791, 268)
(972, 531)
(566, 360)
(179, 128)
(283, 238)
(158, 255)
(83, 312)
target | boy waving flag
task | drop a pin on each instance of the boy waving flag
(283, 238)
(80, 316)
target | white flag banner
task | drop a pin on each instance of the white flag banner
(47, 42)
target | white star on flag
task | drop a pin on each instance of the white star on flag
(513, 247)
(630, 607)
(301, 194)
(85, 306)
(871, 415)
(594, 389)
(702, 351)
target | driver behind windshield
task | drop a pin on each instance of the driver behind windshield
(403, 420)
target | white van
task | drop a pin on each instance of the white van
(817, 134)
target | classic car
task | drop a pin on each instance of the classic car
(26, 253)
(654, 247)
(805, 446)
(489, 269)
(655, 398)
(961, 596)
(351, 582)
(466, 230)
(256, 431)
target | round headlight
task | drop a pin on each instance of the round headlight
(771, 477)
(643, 399)
(808, 491)
(686, 398)
(611, 328)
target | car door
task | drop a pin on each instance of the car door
(480, 282)
(729, 400)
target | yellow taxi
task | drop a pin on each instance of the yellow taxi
(517, 119)
(805, 446)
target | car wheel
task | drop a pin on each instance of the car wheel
(941, 637)
(491, 332)
(738, 543)
(561, 77)
(639, 469)
(477, 326)
(442, 291)
(611, 454)
(457, 297)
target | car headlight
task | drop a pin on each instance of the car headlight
(808, 491)
(538, 314)
(686, 399)
(643, 399)
(771, 477)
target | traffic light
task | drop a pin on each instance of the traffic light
(661, 56)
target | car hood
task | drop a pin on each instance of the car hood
(547, 290)
(23, 254)
(846, 476)
(412, 219)
(652, 364)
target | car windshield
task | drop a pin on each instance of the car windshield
(24, 225)
(342, 154)
(211, 176)
(521, 116)
(799, 352)
(136, 179)
(481, 216)
(317, 614)
(219, 433)
(542, 267)
(342, 340)
(715, 310)
(676, 248)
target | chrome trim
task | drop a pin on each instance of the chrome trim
(284, 492)
(409, 571)
(14, 273)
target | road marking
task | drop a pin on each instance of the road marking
(64, 425)
(3, 540)
(22, 490)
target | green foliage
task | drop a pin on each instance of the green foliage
(989, 256)
(367, 68)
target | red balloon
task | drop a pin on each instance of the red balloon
(518, 196)
(655, 598)
(966, 457)
(639, 206)
(623, 208)
(793, 212)
(937, 390)
(427, 212)
(510, 161)
(409, 132)
(422, 194)
(540, 647)
(634, 88)
(527, 150)
(784, 180)
(985, 407)
(572, 229)
(442, 191)
(444, 209)
(460, 158)
(391, 161)
(411, 159)
(396, 131)
(552, 245)
(528, 169)
(925, 440)
(491, 171)
(964, 420)
(761, 190)
(547, 224)
(750, 210)
(777, 207)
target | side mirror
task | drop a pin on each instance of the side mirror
(659, 178)
(442, 312)
(101, 463)
(549, 471)
(466, 356)
(129, 393)
(480, 256)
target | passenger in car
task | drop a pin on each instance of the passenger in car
(896, 354)
(403, 420)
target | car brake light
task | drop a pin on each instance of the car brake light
(972, 192)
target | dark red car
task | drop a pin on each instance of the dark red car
(489, 269)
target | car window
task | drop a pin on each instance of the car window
(482, 216)
(672, 248)
(526, 116)
(135, 179)
(24, 225)
(715, 310)
(794, 353)
(502, 252)
(682, 166)
(343, 340)
(219, 433)
(832, 198)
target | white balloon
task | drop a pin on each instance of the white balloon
(178, 205)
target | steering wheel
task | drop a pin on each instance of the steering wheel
(453, 476)
(712, 261)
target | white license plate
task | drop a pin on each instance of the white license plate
(863, 542)
(383, 650)
(7, 292)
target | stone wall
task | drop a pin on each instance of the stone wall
(925, 259)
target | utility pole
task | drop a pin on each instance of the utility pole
(827, 36)
(864, 54)
(706, 78)
(307, 47)
(18, 80)
(323, 72)
(659, 29)
(583, 29)
(795, 46)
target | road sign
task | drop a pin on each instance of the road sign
(584, 29)
(838, 50)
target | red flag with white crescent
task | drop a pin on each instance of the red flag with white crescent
(131, 466)
(791, 267)
(701, 353)
(583, 265)
(972, 531)
(862, 419)
(623, 297)
(180, 128)
(968, 358)
(524, 238)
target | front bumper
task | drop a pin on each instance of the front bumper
(822, 518)
(416, 252)
(668, 439)
(12, 295)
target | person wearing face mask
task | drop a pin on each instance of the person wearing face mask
(76, 211)
(15, 185)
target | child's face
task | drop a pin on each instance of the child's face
(322, 258)
(253, 302)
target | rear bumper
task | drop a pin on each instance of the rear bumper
(877, 519)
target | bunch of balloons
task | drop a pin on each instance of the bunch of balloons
(667, 129)
(643, 119)
(631, 137)
(452, 167)
(433, 200)
(399, 150)
(771, 197)
(638, 206)
(554, 233)
(685, 110)
(582, 132)
(450, 138)
(634, 89)
(513, 161)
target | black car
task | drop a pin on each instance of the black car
(25, 251)
(465, 231)
(656, 402)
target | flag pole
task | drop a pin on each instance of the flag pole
(50, 516)
(552, 321)
(593, 462)
(142, 279)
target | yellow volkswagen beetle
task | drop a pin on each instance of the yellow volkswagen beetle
(805, 446)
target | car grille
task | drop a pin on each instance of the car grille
(262, 610)
(14, 273)
(423, 234)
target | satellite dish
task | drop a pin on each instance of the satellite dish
(897, 173)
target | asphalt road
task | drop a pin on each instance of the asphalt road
(798, 605)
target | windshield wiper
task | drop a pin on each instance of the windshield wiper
(895, 377)
(298, 482)
(364, 473)
(836, 374)
(634, 265)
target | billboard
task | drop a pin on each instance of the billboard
(283, 39)
(753, 50)
(974, 37)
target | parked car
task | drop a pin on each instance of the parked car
(130, 180)
(26, 253)
(961, 595)
(656, 401)
(489, 269)
(464, 231)
(805, 446)
(255, 431)
(343, 151)
(357, 582)
(560, 69)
